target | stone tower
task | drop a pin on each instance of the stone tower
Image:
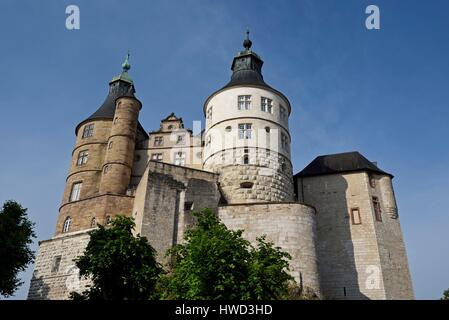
(361, 251)
(247, 139)
(98, 182)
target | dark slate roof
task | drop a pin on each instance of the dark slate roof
(340, 163)
(247, 71)
(117, 90)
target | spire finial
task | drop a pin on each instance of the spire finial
(126, 66)
(247, 43)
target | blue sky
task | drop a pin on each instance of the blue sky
(384, 93)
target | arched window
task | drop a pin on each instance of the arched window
(67, 223)
(93, 222)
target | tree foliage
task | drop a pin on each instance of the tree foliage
(445, 295)
(120, 265)
(216, 263)
(16, 233)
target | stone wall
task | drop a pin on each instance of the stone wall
(268, 173)
(53, 280)
(99, 207)
(357, 253)
(290, 226)
(165, 198)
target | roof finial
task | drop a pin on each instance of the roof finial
(247, 43)
(126, 66)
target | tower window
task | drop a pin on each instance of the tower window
(82, 157)
(76, 191)
(355, 216)
(246, 185)
(93, 222)
(372, 181)
(267, 129)
(284, 141)
(266, 105)
(108, 220)
(377, 210)
(209, 113)
(158, 141)
(244, 102)
(67, 224)
(180, 159)
(110, 145)
(282, 112)
(156, 157)
(245, 159)
(55, 264)
(228, 129)
(88, 130)
(245, 131)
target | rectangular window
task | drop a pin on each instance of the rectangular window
(372, 181)
(88, 130)
(244, 102)
(245, 131)
(156, 157)
(284, 141)
(82, 157)
(76, 191)
(377, 210)
(180, 159)
(55, 264)
(158, 141)
(180, 139)
(355, 216)
(266, 105)
(282, 112)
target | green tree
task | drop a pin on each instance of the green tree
(16, 233)
(445, 295)
(216, 263)
(120, 265)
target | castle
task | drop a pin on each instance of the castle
(337, 218)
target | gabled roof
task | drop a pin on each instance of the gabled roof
(340, 163)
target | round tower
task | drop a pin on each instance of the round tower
(86, 179)
(247, 139)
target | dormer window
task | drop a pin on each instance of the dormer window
(244, 102)
(88, 131)
(266, 105)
